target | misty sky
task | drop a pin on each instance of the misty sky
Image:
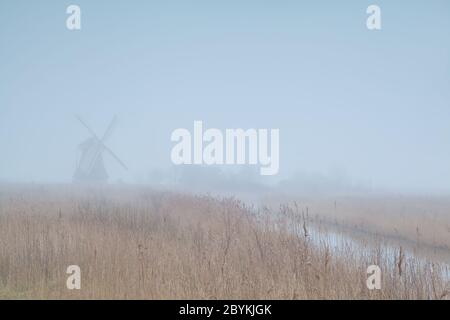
(373, 105)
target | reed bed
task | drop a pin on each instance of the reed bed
(137, 243)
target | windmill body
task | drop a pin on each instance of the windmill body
(90, 164)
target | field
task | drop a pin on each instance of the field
(138, 243)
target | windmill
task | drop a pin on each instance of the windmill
(90, 166)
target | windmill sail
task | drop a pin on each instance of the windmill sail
(90, 164)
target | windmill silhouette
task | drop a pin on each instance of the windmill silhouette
(90, 166)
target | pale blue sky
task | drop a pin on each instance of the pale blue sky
(373, 104)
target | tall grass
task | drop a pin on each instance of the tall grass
(142, 244)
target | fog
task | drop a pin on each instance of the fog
(356, 109)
